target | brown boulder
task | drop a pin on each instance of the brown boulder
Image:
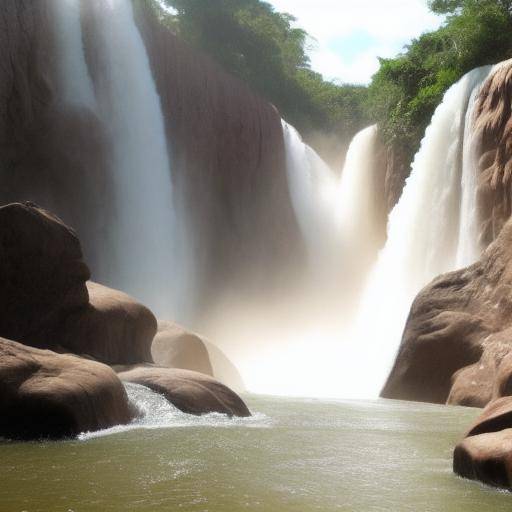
(47, 395)
(113, 328)
(190, 392)
(174, 347)
(495, 417)
(458, 334)
(42, 272)
(486, 458)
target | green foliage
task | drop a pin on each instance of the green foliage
(406, 90)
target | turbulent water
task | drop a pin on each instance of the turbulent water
(299, 456)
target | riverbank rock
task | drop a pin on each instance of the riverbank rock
(486, 452)
(175, 347)
(190, 392)
(459, 334)
(113, 328)
(486, 458)
(48, 395)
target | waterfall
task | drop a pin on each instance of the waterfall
(143, 232)
(74, 81)
(313, 190)
(425, 234)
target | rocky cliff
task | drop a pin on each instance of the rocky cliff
(494, 128)
(226, 144)
(228, 159)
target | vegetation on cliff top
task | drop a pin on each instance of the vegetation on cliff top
(406, 90)
(262, 47)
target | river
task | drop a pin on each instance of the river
(297, 455)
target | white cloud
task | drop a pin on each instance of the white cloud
(382, 28)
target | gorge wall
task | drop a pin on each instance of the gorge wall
(225, 146)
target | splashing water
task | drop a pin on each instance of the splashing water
(156, 412)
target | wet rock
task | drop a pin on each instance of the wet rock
(189, 391)
(48, 395)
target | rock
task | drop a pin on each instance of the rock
(174, 347)
(459, 333)
(42, 272)
(495, 417)
(486, 458)
(113, 328)
(48, 395)
(47, 302)
(189, 391)
(493, 111)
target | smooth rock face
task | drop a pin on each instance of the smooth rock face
(191, 392)
(113, 328)
(458, 334)
(486, 453)
(48, 395)
(493, 127)
(174, 347)
(486, 458)
(42, 272)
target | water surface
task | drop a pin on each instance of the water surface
(295, 455)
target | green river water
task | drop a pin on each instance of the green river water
(296, 455)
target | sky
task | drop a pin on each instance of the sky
(351, 34)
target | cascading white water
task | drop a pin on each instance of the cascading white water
(361, 192)
(425, 235)
(74, 81)
(312, 188)
(144, 232)
(155, 411)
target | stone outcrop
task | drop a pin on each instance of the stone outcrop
(175, 347)
(457, 338)
(494, 130)
(190, 392)
(48, 395)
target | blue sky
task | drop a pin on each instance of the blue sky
(350, 34)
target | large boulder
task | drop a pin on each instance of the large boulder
(42, 272)
(486, 452)
(459, 333)
(486, 458)
(175, 347)
(113, 328)
(47, 302)
(48, 395)
(190, 392)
